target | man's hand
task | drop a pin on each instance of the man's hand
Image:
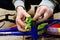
(21, 14)
(42, 10)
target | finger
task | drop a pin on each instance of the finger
(20, 22)
(46, 16)
(38, 9)
(20, 28)
(38, 14)
(26, 14)
(19, 15)
(40, 20)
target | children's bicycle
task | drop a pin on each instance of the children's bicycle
(36, 30)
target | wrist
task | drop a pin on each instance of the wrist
(19, 8)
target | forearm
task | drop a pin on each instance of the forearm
(18, 3)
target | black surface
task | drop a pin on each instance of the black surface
(6, 4)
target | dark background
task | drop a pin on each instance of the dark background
(6, 4)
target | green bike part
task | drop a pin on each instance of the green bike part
(27, 27)
(40, 27)
(28, 20)
(28, 24)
